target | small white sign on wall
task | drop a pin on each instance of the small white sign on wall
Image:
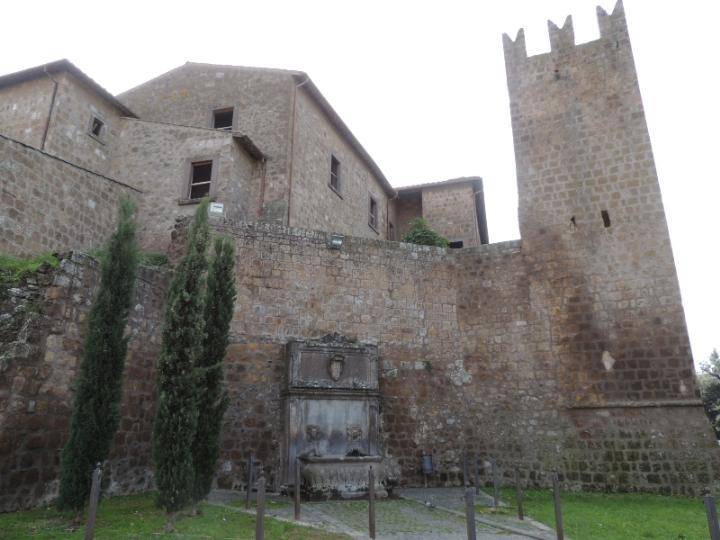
(217, 208)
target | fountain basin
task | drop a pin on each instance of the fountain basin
(343, 477)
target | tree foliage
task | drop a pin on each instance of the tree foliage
(212, 397)
(182, 343)
(710, 389)
(420, 233)
(96, 410)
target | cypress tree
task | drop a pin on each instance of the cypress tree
(212, 397)
(96, 410)
(182, 340)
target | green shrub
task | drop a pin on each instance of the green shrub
(420, 233)
(145, 258)
(14, 269)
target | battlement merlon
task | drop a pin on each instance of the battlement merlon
(613, 29)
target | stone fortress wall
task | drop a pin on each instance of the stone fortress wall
(467, 343)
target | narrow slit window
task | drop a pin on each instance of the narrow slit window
(457, 244)
(200, 179)
(373, 213)
(223, 119)
(335, 173)
(605, 218)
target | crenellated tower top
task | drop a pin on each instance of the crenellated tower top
(613, 29)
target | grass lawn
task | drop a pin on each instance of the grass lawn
(136, 516)
(612, 516)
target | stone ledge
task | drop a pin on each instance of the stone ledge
(638, 404)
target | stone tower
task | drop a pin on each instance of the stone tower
(592, 219)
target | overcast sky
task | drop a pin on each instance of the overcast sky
(422, 86)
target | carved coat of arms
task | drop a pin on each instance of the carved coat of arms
(336, 365)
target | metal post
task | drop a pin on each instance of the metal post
(250, 479)
(496, 483)
(371, 502)
(297, 489)
(470, 513)
(558, 508)
(519, 496)
(94, 499)
(712, 518)
(260, 512)
(477, 476)
(466, 480)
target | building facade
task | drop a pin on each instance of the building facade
(566, 350)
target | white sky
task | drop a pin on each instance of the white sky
(422, 86)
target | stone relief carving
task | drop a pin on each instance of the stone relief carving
(336, 365)
(354, 433)
(313, 433)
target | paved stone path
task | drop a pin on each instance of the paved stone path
(421, 514)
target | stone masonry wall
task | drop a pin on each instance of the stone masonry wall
(156, 158)
(47, 204)
(468, 356)
(24, 110)
(450, 210)
(408, 206)
(69, 135)
(468, 363)
(262, 100)
(41, 337)
(313, 203)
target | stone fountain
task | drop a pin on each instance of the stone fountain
(331, 407)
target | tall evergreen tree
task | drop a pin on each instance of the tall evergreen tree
(709, 382)
(182, 340)
(96, 411)
(212, 397)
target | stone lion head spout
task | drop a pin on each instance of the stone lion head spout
(336, 366)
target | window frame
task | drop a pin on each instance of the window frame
(188, 183)
(336, 174)
(372, 200)
(102, 136)
(216, 110)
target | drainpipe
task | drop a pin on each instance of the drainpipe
(292, 146)
(480, 213)
(52, 105)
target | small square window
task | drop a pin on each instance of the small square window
(335, 173)
(201, 176)
(223, 119)
(373, 213)
(97, 128)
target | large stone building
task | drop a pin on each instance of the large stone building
(566, 350)
(263, 142)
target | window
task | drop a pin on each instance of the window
(97, 128)
(391, 231)
(200, 178)
(373, 213)
(335, 173)
(457, 244)
(223, 119)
